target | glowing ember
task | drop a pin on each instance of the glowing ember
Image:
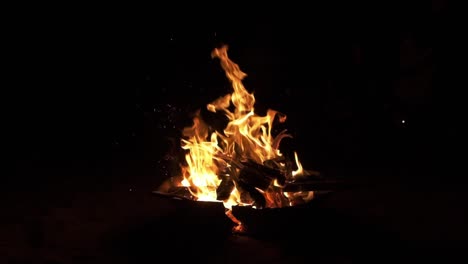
(241, 165)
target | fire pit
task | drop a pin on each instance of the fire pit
(241, 166)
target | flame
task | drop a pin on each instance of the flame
(201, 171)
(247, 136)
(300, 169)
(252, 133)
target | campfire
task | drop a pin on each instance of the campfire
(242, 165)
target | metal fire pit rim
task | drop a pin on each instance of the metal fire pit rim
(244, 207)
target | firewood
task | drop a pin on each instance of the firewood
(315, 185)
(224, 189)
(280, 171)
(255, 178)
(275, 163)
(259, 175)
(267, 171)
(257, 197)
(275, 197)
(179, 193)
(245, 197)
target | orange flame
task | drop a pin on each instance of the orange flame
(246, 136)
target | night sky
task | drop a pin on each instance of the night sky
(100, 98)
(357, 91)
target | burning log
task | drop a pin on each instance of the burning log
(300, 198)
(273, 163)
(179, 193)
(315, 185)
(258, 175)
(248, 191)
(254, 174)
(255, 178)
(225, 188)
(273, 173)
(276, 198)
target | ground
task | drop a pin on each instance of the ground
(114, 218)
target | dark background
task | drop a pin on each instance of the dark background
(99, 98)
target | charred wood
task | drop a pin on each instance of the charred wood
(179, 193)
(271, 172)
(257, 198)
(255, 178)
(224, 189)
(315, 185)
(273, 163)
(259, 175)
(276, 198)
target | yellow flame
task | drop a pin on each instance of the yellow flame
(252, 133)
(201, 170)
(299, 170)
